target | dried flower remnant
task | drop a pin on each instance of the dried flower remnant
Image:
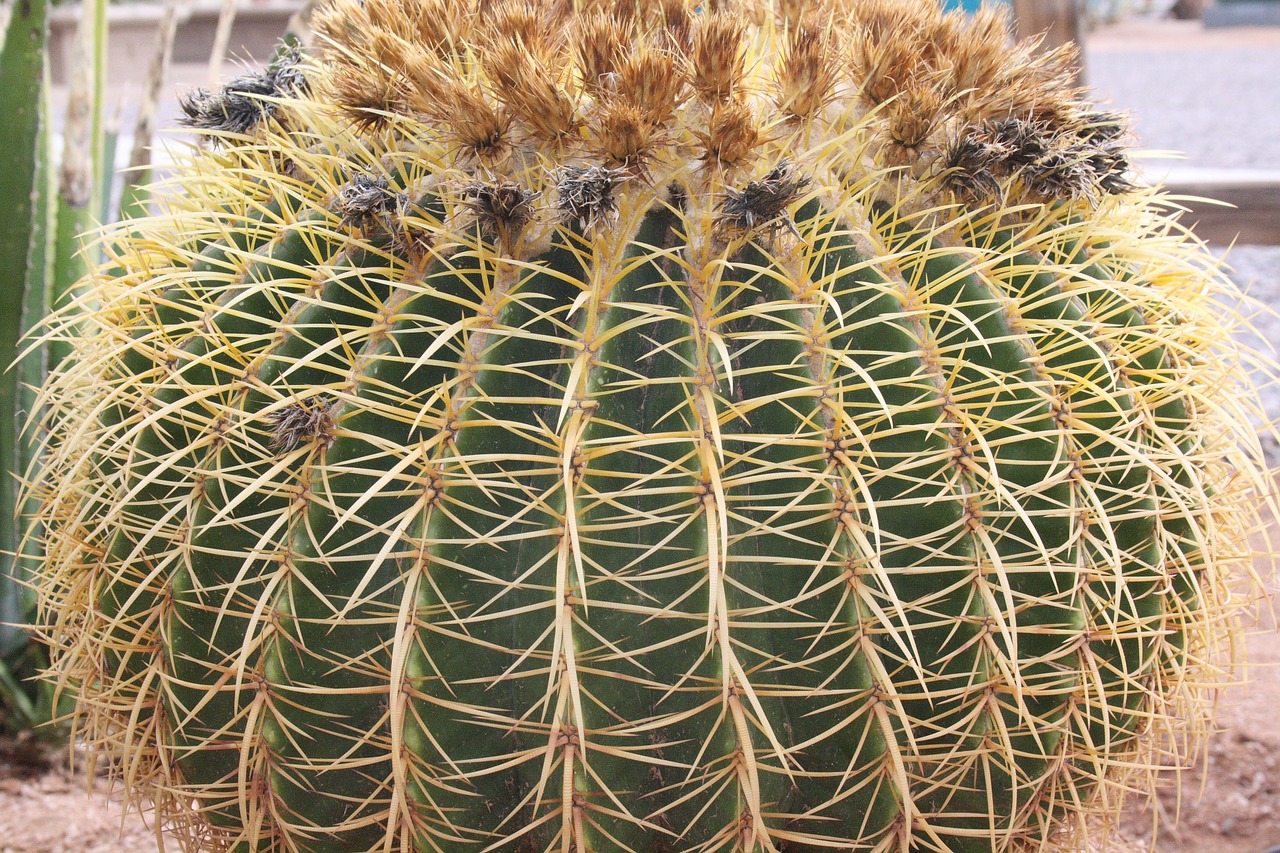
(718, 58)
(1067, 161)
(369, 100)
(237, 107)
(366, 199)
(763, 203)
(677, 23)
(501, 209)
(243, 103)
(598, 48)
(1103, 126)
(1060, 173)
(966, 168)
(731, 137)
(523, 85)
(1082, 170)
(910, 121)
(626, 137)
(477, 128)
(808, 73)
(309, 420)
(1109, 161)
(1076, 162)
(524, 64)
(883, 68)
(1101, 141)
(285, 70)
(1020, 142)
(650, 80)
(587, 195)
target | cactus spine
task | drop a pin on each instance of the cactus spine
(647, 428)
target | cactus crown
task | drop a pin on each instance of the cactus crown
(660, 91)
(629, 426)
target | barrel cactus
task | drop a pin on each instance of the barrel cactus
(646, 426)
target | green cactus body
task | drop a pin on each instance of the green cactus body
(646, 429)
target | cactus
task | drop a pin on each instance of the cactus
(649, 428)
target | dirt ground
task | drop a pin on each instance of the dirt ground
(52, 811)
(1230, 804)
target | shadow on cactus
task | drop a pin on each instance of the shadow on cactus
(648, 429)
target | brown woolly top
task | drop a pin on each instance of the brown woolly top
(721, 91)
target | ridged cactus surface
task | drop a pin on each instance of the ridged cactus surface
(641, 427)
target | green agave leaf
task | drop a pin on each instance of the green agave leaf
(22, 75)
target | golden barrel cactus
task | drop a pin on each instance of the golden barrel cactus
(628, 427)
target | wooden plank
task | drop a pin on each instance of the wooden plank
(1060, 22)
(1253, 216)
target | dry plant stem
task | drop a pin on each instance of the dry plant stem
(221, 38)
(139, 164)
(748, 434)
